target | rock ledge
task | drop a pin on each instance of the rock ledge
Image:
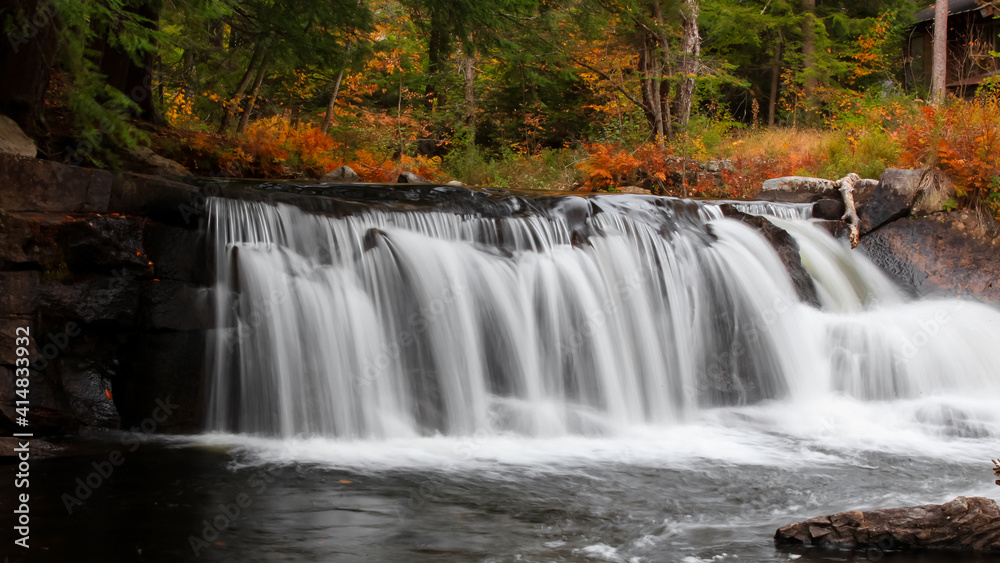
(967, 524)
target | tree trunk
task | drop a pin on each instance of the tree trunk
(469, 76)
(230, 106)
(25, 61)
(661, 89)
(252, 99)
(772, 103)
(690, 51)
(939, 65)
(123, 74)
(809, 46)
(328, 118)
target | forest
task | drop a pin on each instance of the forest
(545, 94)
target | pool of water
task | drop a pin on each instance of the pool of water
(713, 489)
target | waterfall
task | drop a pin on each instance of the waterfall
(576, 316)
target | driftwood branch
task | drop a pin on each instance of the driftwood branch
(851, 212)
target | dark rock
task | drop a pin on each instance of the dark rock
(968, 524)
(837, 229)
(901, 192)
(176, 253)
(947, 254)
(163, 368)
(14, 141)
(830, 209)
(342, 174)
(144, 161)
(97, 243)
(174, 305)
(158, 198)
(17, 293)
(786, 247)
(411, 178)
(39, 449)
(797, 189)
(85, 384)
(29, 184)
(95, 298)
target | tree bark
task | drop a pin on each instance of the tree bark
(252, 99)
(328, 118)
(690, 51)
(809, 46)
(469, 76)
(133, 80)
(25, 61)
(940, 60)
(772, 104)
(230, 106)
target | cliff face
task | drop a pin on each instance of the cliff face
(108, 273)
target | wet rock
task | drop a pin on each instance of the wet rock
(829, 209)
(945, 254)
(797, 189)
(786, 247)
(17, 292)
(14, 141)
(96, 298)
(38, 448)
(163, 369)
(101, 244)
(85, 384)
(174, 305)
(342, 174)
(411, 178)
(176, 253)
(967, 524)
(145, 161)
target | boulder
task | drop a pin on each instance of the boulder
(829, 209)
(14, 141)
(945, 254)
(145, 161)
(902, 192)
(411, 178)
(967, 524)
(456, 183)
(633, 190)
(342, 174)
(797, 189)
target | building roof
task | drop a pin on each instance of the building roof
(954, 7)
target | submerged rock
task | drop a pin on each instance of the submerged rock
(968, 524)
(786, 247)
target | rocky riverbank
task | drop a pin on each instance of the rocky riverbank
(964, 524)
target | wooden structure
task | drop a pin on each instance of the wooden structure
(973, 30)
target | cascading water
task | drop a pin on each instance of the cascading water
(573, 316)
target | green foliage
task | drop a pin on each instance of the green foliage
(99, 111)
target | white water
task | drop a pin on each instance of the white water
(425, 337)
